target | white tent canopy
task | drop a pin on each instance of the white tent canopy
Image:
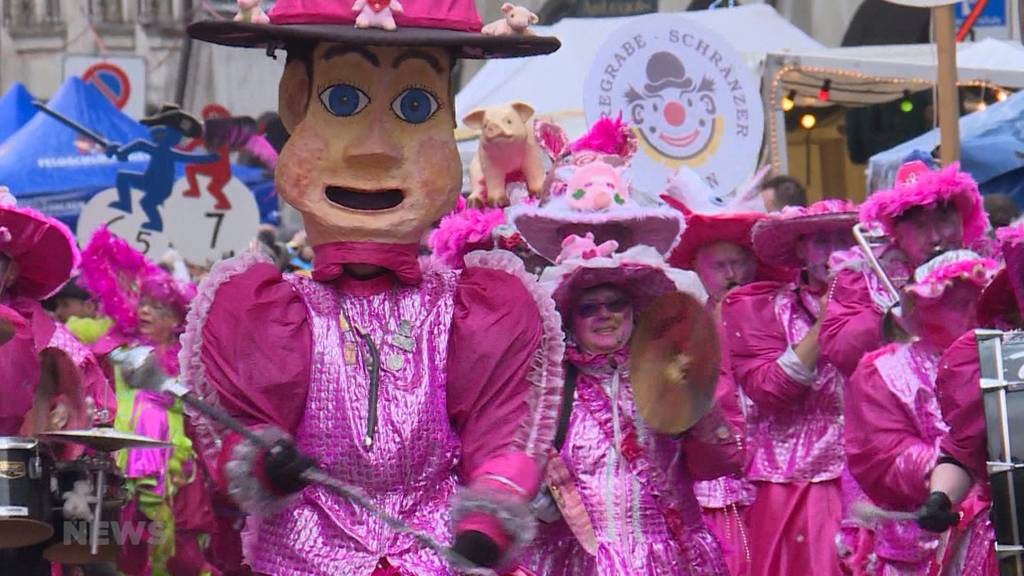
(553, 84)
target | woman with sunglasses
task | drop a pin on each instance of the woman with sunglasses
(624, 493)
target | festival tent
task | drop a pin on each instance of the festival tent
(15, 110)
(863, 75)
(56, 170)
(991, 149)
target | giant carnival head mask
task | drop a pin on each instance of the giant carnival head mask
(367, 99)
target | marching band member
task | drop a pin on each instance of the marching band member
(926, 213)
(795, 432)
(962, 462)
(893, 422)
(433, 392)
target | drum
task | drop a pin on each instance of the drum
(1001, 357)
(25, 497)
(71, 542)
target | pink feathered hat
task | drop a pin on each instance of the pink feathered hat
(42, 247)
(640, 271)
(451, 24)
(545, 227)
(917, 185)
(1004, 297)
(775, 237)
(932, 278)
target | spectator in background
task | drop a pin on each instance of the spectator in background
(1001, 209)
(782, 191)
(71, 301)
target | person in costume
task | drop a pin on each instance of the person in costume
(718, 248)
(795, 431)
(625, 492)
(893, 421)
(961, 472)
(926, 213)
(165, 485)
(433, 392)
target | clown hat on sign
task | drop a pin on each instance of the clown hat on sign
(451, 24)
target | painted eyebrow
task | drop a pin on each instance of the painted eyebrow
(418, 55)
(337, 51)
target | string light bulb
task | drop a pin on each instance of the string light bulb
(826, 91)
(1002, 95)
(789, 101)
(906, 105)
(982, 106)
(808, 121)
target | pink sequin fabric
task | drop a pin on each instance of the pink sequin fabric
(633, 537)
(409, 471)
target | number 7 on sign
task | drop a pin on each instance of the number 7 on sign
(216, 227)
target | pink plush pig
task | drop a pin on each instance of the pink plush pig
(596, 186)
(377, 13)
(516, 21)
(574, 247)
(250, 11)
(508, 148)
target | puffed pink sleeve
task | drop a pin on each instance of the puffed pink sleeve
(852, 326)
(763, 363)
(247, 349)
(714, 447)
(19, 372)
(504, 380)
(958, 388)
(884, 451)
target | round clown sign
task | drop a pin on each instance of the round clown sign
(689, 97)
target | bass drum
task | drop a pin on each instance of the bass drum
(25, 494)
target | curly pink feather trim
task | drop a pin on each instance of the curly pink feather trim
(462, 232)
(1012, 235)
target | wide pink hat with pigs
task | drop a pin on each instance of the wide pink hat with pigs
(590, 193)
(452, 24)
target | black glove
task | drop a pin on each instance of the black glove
(936, 514)
(283, 465)
(478, 548)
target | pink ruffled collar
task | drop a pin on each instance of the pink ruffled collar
(596, 363)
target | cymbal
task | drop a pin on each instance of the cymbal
(673, 363)
(103, 439)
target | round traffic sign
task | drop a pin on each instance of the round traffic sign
(111, 81)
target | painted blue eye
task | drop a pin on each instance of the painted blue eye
(344, 99)
(415, 105)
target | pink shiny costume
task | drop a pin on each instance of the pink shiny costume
(853, 321)
(644, 515)
(466, 405)
(725, 501)
(959, 395)
(795, 432)
(893, 428)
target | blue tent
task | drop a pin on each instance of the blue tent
(55, 170)
(991, 150)
(16, 110)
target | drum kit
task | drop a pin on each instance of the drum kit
(56, 503)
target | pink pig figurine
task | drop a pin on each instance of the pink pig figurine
(595, 186)
(377, 13)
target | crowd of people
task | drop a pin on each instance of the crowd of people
(412, 387)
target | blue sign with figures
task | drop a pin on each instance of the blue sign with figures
(993, 14)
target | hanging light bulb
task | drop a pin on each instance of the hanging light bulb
(826, 91)
(982, 105)
(789, 101)
(906, 105)
(808, 121)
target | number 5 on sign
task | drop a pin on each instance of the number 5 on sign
(203, 234)
(97, 212)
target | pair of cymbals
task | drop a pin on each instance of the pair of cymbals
(103, 439)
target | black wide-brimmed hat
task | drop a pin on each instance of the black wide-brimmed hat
(451, 24)
(173, 116)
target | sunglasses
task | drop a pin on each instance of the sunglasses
(591, 309)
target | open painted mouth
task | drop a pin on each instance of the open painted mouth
(367, 200)
(682, 141)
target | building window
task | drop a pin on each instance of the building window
(156, 12)
(32, 16)
(107, 12)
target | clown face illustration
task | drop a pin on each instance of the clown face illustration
(673, 114)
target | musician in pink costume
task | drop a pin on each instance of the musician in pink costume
(434, 392)
(927, 212)
(50, 380)
(894, 424)
(961, 478)
(719, 249)
(625, 493)
(795, 432)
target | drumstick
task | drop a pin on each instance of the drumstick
(868, 513)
